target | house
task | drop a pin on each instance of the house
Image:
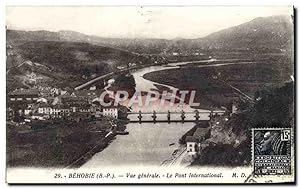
(38, 117)
(31, 78)
(30, 109)
(194, 142)
(87, 95)
(93, 88)
(65, 110)
(72, 100)
(110, 111)
(131, 64)
(121, 67)
(62, 92)
(44, 109)
(192, 145)
(234, 108)
(98, 113)
(42, 100)
(47, 93)
(24, 95)
(55, 111)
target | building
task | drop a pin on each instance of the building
(98, 113)
(85, 109)
(47, 93)
(42, 100)
(23, 95)
(45, 109)
(110, 111)
(194, 143)
(72, 100)
(37, 117)
(65, 110)
(87, 95)
(93, 88)
(55, 111)
(234, 108)
(31, 108)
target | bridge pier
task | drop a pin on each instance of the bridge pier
(154, 117)
(169, 116)
(182, 116)
(197, 116)
(140, 117)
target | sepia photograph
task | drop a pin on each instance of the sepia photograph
(150, 94)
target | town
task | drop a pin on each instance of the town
(45, 103)
(54, 127)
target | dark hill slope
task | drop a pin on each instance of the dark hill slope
(75, 56)
(70, 63)
(264, 32)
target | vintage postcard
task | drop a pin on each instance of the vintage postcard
(150, 94)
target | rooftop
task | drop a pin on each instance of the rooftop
(191, 139)
(24, 92)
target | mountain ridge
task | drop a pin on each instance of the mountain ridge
(261, 32)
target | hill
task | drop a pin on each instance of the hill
(263, 32)
(68, 63)
(74, 57)
(275, 32)
(146, 46)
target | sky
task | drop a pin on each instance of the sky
(137, 21)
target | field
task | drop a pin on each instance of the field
(56, 145)
(212, 83)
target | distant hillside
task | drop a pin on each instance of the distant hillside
(264, 32)
(70, 63)
(274, 32)
(75, 57)
(147, 46)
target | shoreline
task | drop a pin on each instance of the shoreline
(67, 146)
(174, 156)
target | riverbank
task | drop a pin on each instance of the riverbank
(209, 93)
(56, 146)
(205, 80)
(180, 157)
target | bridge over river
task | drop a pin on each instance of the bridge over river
(168, 116)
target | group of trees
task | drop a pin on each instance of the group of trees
(273, 108)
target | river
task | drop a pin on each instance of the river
(147, 143)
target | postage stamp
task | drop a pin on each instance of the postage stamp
(272, 151)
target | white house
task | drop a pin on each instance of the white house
(195, 143)
(42, 100)
(27, 111)
(192, 145)
(55, 111)
(45, 110)
(234, 108)
(110, 111)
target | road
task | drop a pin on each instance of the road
(106, 76)
(176, 160)
(94, 80)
